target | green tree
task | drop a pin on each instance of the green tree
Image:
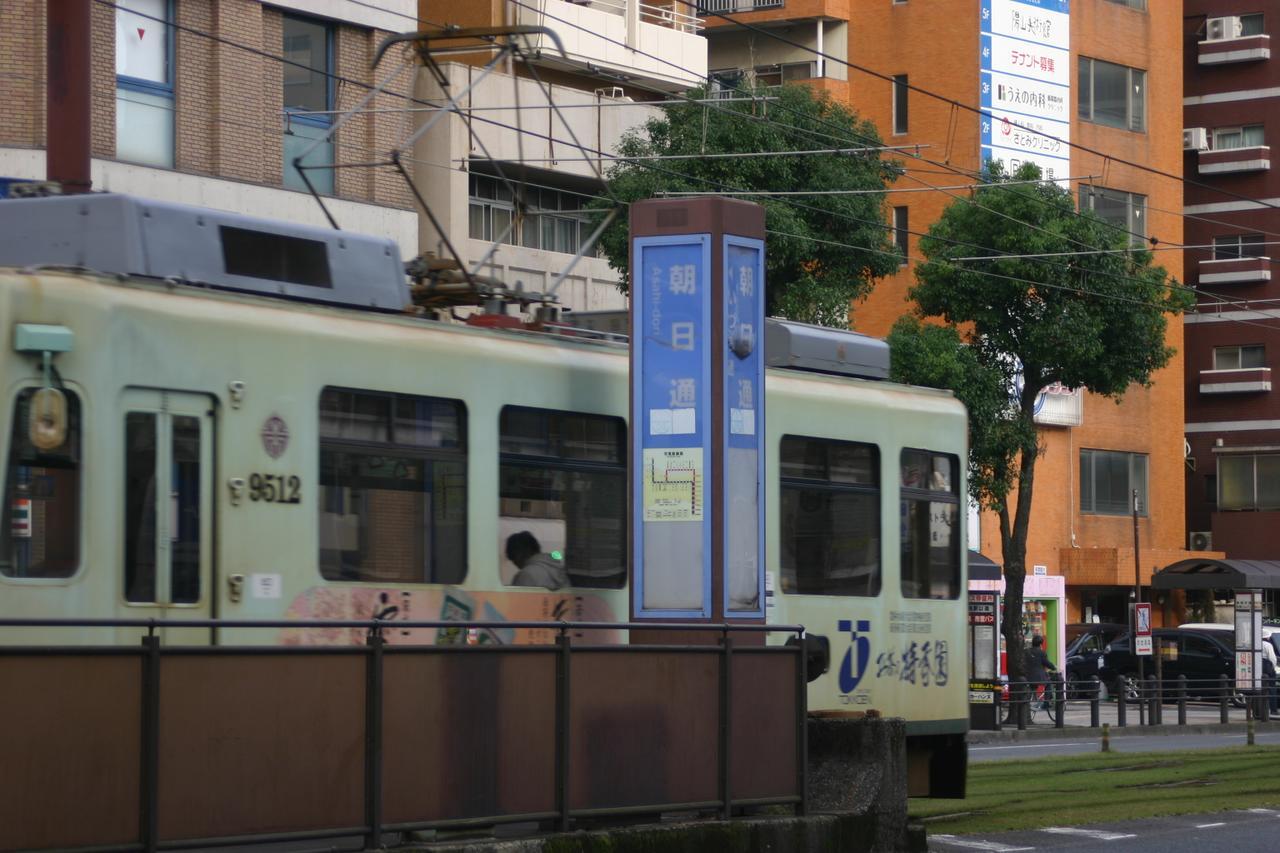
(838, 243)
(1006, 326)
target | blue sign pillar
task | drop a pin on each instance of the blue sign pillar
(697, 410)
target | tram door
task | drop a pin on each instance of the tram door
(168, 509)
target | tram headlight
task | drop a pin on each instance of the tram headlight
(47, 419)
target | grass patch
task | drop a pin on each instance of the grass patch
(1104, 787)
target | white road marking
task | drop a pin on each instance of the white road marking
(1099, 834)
(1208, 825)
(1040, 745)
(1263, 811)
(993, 846)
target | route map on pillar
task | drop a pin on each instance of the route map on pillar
(673, 488)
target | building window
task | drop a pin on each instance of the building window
(776, 75)
(900, 231)
(1114, 95)
(553, 220)
(1248, 136)
(40, 521)
(308, 101)
(930, 524)
(1132, 4)
(562, 481)
(1126, 211)
(830, 517)
(1108, 479)
(1251, 25)
(900, 92)
(144, 82)
(725, 83)
(1239, 357)
(1233, 246)
(1248, 481)
(393, 488)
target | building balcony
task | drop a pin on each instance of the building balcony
(654, 44)
(1243, 49)
(1249, 380)
(1255, 158)
(1234, 271)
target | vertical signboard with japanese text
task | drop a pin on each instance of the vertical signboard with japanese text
(744, 426)
(671, 405)
(1025, 84)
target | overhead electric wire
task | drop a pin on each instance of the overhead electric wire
(362, 84)
(957, 104)
(696, 76)
(878, 224)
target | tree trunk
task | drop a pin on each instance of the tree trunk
(1013, 543)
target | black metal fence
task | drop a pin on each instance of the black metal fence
(157, 746)
(1131, 701)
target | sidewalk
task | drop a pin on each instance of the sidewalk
(1202, 718)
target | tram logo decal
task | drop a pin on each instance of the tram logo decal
(926, 664)
(851, 669)
(275, 436)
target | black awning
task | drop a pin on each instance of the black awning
(982, 568)
(1204, 573)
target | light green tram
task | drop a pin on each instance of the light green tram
(331, 462)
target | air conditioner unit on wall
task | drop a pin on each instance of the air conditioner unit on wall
(1229, 27)
(1195, 139)
(1200, 540)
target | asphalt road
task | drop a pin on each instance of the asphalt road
(1251, 831)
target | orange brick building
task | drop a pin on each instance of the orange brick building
(936, 46)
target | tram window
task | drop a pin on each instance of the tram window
(830, 519)
(930, 524)
(40, 527)
(140, 506)
(393, 488)
(179, 471)
(563, 481)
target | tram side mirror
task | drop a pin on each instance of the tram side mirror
(817, 654)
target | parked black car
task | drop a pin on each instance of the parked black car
(1085, 642)
(1202, 656)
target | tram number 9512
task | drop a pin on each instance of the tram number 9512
(275, 488)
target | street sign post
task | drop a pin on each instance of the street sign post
(1142, 629)
(697, 410)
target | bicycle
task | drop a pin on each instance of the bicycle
(1046, 699)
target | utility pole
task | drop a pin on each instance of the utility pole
(67, 111)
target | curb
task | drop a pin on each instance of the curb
(1047, 733)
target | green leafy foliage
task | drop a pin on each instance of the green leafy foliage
(1092, 316)
(841, 242)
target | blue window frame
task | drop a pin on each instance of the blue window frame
(145, 82)
(308, 100)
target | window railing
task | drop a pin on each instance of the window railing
(729, 6)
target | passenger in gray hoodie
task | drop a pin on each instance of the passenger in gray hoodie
(536, 568)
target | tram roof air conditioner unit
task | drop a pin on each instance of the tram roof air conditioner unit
(125, 235)
(1220, 29)
(1195, 139)
(1200, 540)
